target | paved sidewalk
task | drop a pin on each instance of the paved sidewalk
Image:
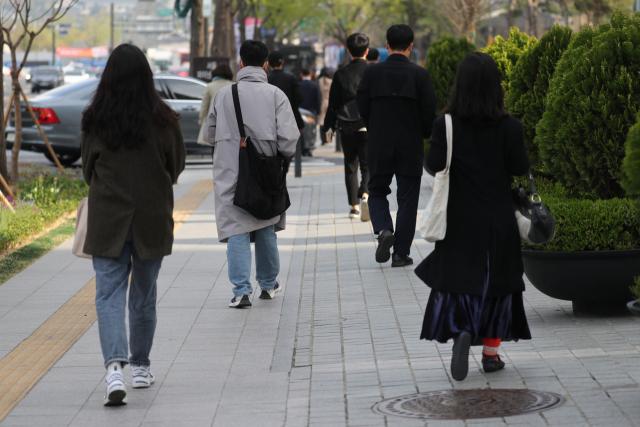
(341, 336)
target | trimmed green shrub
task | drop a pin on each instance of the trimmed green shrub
(442, 63)
(507, 52)
(529, 83)
(592, 102)
(631, 166)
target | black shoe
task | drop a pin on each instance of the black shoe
(460, 357)
(386, 239)
(492, 365)
(400, 260)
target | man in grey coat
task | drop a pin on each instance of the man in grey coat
(269, 121)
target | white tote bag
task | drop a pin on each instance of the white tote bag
(81, 229)
(433, 226)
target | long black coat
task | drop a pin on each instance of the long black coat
(132, 189)
(480, 216)
(397, 102)
(288, 83)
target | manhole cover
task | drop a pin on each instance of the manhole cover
(467, 404)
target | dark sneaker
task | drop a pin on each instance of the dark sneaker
(460, 357)
(240, 302)
(354, 213)
(400, 260)
(386, 239)
(364, 210)
(492, 365)
(272, 292)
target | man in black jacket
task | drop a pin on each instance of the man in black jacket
(287, 83)
(353, 134)
(398, 104)
(311, 91)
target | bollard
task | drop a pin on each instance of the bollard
(298, 158)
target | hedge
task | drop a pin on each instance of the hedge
(529, 83)
(507, 52)
(592, 102)
(442, 63)
(631, 166)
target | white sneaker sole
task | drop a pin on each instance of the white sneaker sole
(116, 397)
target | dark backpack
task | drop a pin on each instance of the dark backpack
(349, 119)
(262, 180)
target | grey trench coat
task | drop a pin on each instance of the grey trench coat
(269, 121)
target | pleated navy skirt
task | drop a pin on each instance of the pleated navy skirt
(449, 314)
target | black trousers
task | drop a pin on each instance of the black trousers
(408, 196)
(354, 148)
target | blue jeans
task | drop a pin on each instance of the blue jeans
(112, 281)
(267, 261)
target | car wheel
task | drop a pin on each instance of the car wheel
(64, 159)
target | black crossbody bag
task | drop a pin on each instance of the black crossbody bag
(262, 182)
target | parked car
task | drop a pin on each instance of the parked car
(76, 75)
(45, 78)
(60, 114)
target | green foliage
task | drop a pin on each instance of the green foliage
(529, 83)
(507, 52)
(635, 289)
(631, 166)
(442, 63)
(592, 102)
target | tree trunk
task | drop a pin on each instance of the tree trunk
(15, 152)
(3, 143)
(224, 38)
(532, 7)
(197, 35)
(242, 21)
(512, 8)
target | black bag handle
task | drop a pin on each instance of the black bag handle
(236, 105)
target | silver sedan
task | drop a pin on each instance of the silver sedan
(60, 113)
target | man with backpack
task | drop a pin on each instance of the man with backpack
(353, 133)
(268, 124)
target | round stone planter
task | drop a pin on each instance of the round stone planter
(634, 307)
(596, 282)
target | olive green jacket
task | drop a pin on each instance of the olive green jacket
(132, 189)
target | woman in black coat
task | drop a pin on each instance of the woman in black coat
(475, 272)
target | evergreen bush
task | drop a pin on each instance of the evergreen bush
(631, 166)
(592, 102)
(442, 63)
(529, 83)
(507, 52)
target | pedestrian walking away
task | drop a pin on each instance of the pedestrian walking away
(373, 57)
(397, 102)
(312, 102)
(475, 272)
(132, 154)
(222, 76)
(353, 132)
(270, 123)
(324, 80)
(287, 83)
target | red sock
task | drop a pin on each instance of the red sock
(490, 348)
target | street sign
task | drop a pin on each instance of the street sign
(165, 12)
(207, 8)
(204, 65)
(64, 25)
(63, 32)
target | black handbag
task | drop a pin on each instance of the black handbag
(536, 223)
(262, 182)
(349, 119)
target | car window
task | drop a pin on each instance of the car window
(70, 88)
(74, 73)
(184, 89)
(160, 89)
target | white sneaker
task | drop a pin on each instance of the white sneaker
(364, 210)
(142, 376)
(240, 302)
(272, 292)
(116, 391)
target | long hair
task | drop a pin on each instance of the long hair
(477, 92)
(126, 103)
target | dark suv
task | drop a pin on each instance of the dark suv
(46, 78)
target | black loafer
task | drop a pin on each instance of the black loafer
(400, 260)
(460, 357)
(386, 239)
(492, 365)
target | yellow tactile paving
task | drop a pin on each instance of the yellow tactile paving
(21, 369)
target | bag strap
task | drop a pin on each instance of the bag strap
(449, 126)
(534, 192)
(236, 105)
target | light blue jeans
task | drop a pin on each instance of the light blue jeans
(112, 281)
(267, 261)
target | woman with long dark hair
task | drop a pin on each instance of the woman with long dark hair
(132, 154)
(475, 272)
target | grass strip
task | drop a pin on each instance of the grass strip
(20, 259)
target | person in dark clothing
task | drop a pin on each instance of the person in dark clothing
(373, 57)
(475, 272)
(311, 92)
(353, 134)
(287, 83)
(398, 104)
